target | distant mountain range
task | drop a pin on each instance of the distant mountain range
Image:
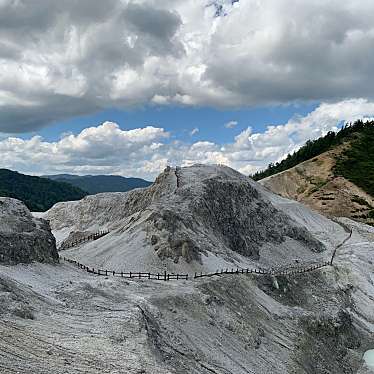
(94, 184)
(39, 194)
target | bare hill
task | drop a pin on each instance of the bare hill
(193, 218)
(315, 184)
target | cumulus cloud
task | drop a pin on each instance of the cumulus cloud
(102, 149)
(60, 59)
(231, 124)
(144, 152)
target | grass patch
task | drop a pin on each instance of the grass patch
(318, 184)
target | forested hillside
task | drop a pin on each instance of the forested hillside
(357, 162)
(39, 194)
(333, 174)
(94, 184)
(361, 133)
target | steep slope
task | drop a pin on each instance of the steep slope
(39, 194)
(359, 133)
(24, 239)
(197, 218)
(94, 184)
(317, 184)
(333, 174)
(63, 319)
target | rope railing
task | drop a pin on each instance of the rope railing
(84, 239)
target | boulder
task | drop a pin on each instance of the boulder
(23, 238)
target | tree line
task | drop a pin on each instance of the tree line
(356, 156)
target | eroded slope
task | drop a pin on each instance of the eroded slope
(194, 216)
(315, 184)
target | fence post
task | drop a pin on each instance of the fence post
(177, 276)
(121, 274)
(106, 272)
(158, 276)
(149, 275)
(130, 275)
(165, 275)
(195, 275)
(186, 276)
(114, 273)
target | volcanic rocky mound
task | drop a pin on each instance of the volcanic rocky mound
(23, 238)
(188, 212)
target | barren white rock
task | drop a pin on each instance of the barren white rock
(313, 323)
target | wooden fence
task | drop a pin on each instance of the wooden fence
(84, 239)
(340, 245)
(287, 270)
(131, 275)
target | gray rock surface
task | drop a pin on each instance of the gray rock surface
(23, 238)
(212, 210)
(61, 319)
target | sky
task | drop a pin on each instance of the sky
(128, 86)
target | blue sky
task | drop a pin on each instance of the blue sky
(180, 121)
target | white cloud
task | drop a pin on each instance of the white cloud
(231, 124)
(194, 131)
(60, 59)
(146, 151)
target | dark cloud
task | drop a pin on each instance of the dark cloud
(65, 58)
(158, 23)
(8, 51)
(18, 118)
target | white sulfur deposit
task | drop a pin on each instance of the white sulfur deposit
(63, 319)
